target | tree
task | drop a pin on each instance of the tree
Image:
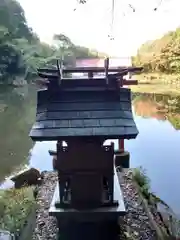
(12, 17)
(21, 51)
(63, 41)
(162, 54)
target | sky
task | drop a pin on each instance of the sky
(90, 24)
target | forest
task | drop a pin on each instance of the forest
(22, 52)
(161, 55)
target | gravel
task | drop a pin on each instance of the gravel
(45, 225)
(134, 226)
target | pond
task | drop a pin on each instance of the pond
(156, 148)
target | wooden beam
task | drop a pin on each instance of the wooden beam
(91, 69)
(130, 82)
(122, 82)
(59, 71)
(106, 67)
(110, 76)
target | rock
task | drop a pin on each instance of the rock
(41, 223)
(29, 177)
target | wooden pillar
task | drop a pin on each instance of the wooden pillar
(121, 141)
(122, 158)
(121, 145)
(90, 75)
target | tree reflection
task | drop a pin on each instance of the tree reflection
(15, 122)
(161, 107)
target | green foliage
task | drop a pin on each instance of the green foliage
(21, 52)
(143, 181)
(12, 17)
(15, 206)
(174, 120)
(140, 177)
(161, 55)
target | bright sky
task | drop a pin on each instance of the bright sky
(90, 24)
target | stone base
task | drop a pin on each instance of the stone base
(80, 231)
(90, 215)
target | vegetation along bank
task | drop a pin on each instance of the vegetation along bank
(161, 61)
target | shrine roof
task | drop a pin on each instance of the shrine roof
(63, 114)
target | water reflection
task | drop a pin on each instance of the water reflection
(156, 148)
(158, 106)
(40, 151)
(16, 118)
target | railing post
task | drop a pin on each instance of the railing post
(122, 157)
(121, 145)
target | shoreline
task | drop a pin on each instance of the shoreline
(157, 83)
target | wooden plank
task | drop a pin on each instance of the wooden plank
(84, 123)
(43, 91)
(51, 76)
(84, 115)
(92, 69)
(100, 106)
(92, 89)
(85, 82)
(112, 132)
(130, 82)
(118, 81)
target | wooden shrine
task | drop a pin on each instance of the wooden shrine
(84, 112)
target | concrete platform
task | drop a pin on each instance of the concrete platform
(90, 215)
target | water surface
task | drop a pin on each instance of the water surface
(157, 147)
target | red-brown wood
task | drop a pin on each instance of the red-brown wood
(121, 145)
(125, 82)
(130, 82)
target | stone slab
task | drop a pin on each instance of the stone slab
(98, 214)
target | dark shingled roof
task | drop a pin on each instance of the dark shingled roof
(63, 114)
